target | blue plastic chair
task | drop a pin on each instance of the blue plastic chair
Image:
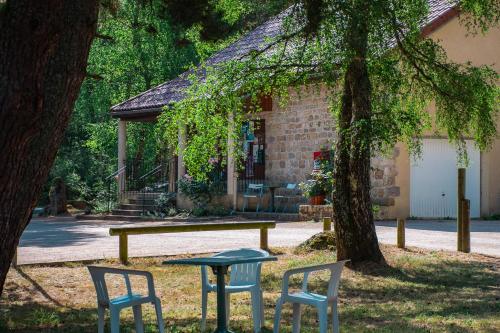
(253, 191)
(286, 195)
(321, 302)
(243, 278)
(115, 305)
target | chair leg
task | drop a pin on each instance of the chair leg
(335, 318)
(204, 302)
(277, 316)
(159, 316)
(100, 319)
(323, 318)
(262, 316)
(115, 319)
(228, 306)
(139, 325)
(256, 310)
(296, 318)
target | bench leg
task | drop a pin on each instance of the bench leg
(123, 248)
(264, 239)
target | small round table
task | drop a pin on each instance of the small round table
(272, 188)
(220, 267)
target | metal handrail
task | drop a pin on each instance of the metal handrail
(152, 172)
(157, 169)
(117, 172)
(108, 179)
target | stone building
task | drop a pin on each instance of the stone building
(286, 138)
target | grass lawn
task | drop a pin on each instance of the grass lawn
(419, 291)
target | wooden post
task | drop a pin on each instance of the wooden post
(123, 239)
(327, 223)
(466, 226)
(401, 233)
(263, 239)
(460, 197)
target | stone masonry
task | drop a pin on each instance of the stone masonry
(293, 133)
(305, 125)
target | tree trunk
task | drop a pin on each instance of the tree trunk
(352, 207)
(44, 48)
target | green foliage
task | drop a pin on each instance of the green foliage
(201, 192)
(320, 182)
(165, 205)
(406, 72)
(136, 49)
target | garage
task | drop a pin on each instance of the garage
(433, 180)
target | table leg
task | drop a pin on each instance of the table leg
(220, 272)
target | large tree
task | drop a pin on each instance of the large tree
(44, 48)
(381, 72)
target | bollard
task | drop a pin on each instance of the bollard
(466, 226)
(460, 198)
(401, 233)
(327, 224)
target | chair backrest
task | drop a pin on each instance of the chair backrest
(244, 274)
(98, 277)
(333, 284)
(255, 188)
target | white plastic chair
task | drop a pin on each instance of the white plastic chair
(243, 278)
(305, 297)
(253, 191)
(115, 305)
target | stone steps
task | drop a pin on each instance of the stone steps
(127, 212)
(136, 206)
(113, 218)
(270, 216)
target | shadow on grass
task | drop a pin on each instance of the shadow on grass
(38, 287)
(418, 294)
(403, 298)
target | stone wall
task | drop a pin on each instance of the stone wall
(384, 189)
(293, 133)
(305, 125)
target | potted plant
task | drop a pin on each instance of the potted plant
(319, 185)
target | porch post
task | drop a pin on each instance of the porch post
(231, 165)
(122, 153)
(181, 168)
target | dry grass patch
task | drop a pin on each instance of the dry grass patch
(418, 291)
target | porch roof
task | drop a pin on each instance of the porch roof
(151, 102)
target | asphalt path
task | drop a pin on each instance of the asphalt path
(67, 239)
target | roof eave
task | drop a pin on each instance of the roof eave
(136, 113)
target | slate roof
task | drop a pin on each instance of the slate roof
(152, 100)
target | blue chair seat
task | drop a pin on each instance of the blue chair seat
(128, 300)
(306, 298)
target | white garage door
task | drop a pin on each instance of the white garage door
(433, 180)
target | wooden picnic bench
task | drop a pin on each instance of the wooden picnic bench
(123, 232)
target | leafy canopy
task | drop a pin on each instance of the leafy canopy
(407, 71)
